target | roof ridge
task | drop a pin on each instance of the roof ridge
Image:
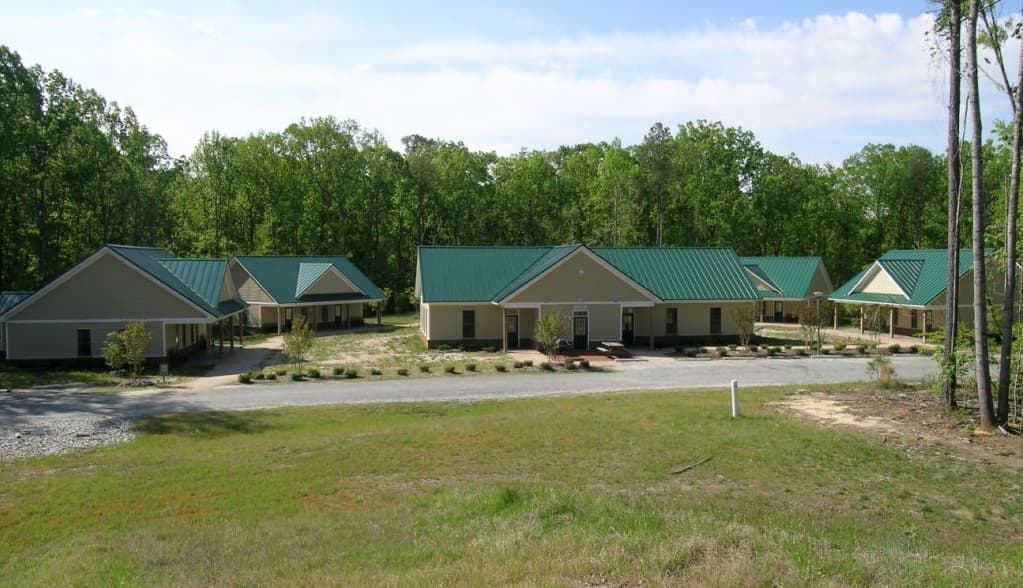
(530, 267)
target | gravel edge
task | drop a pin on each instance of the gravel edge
(59, 436)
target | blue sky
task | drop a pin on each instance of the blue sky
(818, 79)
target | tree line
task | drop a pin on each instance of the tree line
(78, 170)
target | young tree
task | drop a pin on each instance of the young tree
(987, 416)
(550, 333)
(744, 317)
(298, 341)
(135, 339)
(113, 351)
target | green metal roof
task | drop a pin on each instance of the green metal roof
(490, 274)
(9, 300)
(791, 275)
(921, 273)
(191, 278)
(308, 273)
(280, 276)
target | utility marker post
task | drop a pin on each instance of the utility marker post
(735, 398)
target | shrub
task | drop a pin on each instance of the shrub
(802, 353)
(470, 367)
(547, 366)
(461, 347)
(788, 347)
(271, 376)
(861, 348)
(443, 347)
(281, 373)
(894, 348)
(691, 352)
(733, 346)
(490, 349)
(771, 351)
(425, 369)
(402, 372)
(754, 348)
(585, 364)
(375, 372)
(314, 373)
(914, 349)
(703, 350)
(245, 378)
(351, 373)
(449, 369)
(722, 350)
(260, 376)
(518, 365)
(500, 367)
(297, 377)
(339, 371)
(528, 363)
(679, 349)
(570, 364)
(839, 347)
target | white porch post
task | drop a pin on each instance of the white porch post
(504, 330)
(280, 321)
(891, 322)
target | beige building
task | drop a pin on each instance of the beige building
(184, 303)
(494, 296)
(787, 285)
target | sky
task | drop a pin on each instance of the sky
(816, 79)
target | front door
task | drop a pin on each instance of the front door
(779, 312)
(581, 332)
(628, 325)
(337, 315)
(512, 328)
(288, 317)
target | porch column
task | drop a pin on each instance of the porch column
(891, 322)
(923, 336)
(230, 331)
(763, 310)
(504, 330)
(241, 330)
(836, 317)
(348, 313)
(280, 321)
(861, 318)
(651, 325)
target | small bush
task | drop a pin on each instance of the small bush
(518, 365)
(776, 349)
(272, 377)
(771, 351)
(802, 353)
(691, 352)
(260, 376)
(297, 377)
(375, 372)
(703, 350)
(500, 367)
(894, 348)
(245, 378)
(490, 349)
(281, 373)
(461, 348)
(754, 348)
(425, 369)
(351, 373)
(679, 349)
(314, 373)
(722, 350)
(547, 366)
(788, 347)
(470, 367)
(914, 349)
(528, 363)
(450, 369)
(570, 364)
(839, 347)
(443, 347)
(733, 346)
(861, 348)
(339, 371)
(402, 372)
(585, 364)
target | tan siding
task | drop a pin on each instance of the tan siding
(60, 340)
(820, 282)
(605, 320)
(694, 318)
(227, 289)
(329, 283)
(355, 310)
(446, 322)
(566, 284)
(424, 320)
(106, 289)
(881, 283)
(248, 289)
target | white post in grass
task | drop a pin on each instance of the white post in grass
(735, 398)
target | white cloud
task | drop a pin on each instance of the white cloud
(818, 87)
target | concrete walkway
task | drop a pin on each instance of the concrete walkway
(40, 405)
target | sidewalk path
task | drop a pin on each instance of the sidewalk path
(40, 405)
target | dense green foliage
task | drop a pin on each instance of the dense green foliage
(78, 171)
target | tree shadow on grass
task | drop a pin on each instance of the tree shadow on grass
(203, 425)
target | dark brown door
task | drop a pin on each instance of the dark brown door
(628, 328)
(512, 326)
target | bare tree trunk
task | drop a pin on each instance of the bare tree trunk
(949, 384)
(987, 416)
(1012, 205)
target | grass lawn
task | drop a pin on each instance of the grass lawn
(12, 377)
(560, 491)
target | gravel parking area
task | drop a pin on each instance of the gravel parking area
(58, 436)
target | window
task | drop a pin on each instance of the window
(671, 321)
(468, 324)
(912, 319)
(84, 342)
(715, 320)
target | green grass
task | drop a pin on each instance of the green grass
(559, 491)
(12, 377)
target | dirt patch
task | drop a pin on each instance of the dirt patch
(912, 419)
